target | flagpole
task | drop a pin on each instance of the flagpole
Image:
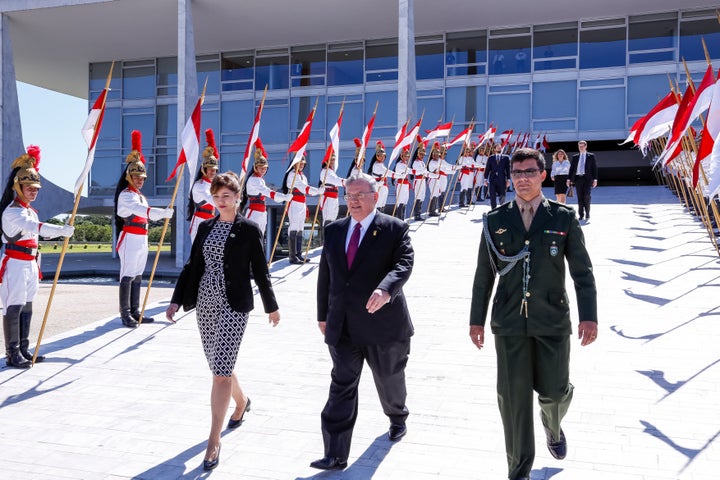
(166, 222)
(292, 186)
(66, 240)
(322, 184)
(399, 189)
(243, 175)
(364, 146)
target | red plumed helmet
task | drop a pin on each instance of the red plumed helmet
(34, 152)
(136, 141)
(210, 138)
(259, 146)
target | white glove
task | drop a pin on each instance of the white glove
(48, 230)
(160, 213)
(283, 197)
(320, 190)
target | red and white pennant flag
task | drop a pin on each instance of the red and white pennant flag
(463, 137)
(300, 143)
(90, 132)
(335, 140)
(254, 134)
(190, 142)
(367, 133)
(439, 131)
(404, 139)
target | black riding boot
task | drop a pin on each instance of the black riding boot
(417, 210)
(292, 248)
(135, 301)
(125, 315)
(11, 329)
(462, 199)
(299, 249)
(25, 317)
(400, 211)
(432, 209)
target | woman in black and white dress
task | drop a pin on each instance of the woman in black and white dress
(216, 281)
(559, 174)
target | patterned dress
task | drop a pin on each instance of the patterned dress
(221, 328)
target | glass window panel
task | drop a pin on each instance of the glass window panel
(432, 107)
(106, 170)
(345, 67)
(555, 43)
(139, 82)
(554, 99)
(164, 164)
(509, 88)
(465, 51)
(308, 81)
(465, 103)
(210, 119)
(691, 35)
(429, 61)
(652, 35)
(310, 62)
(644, 92)
(382, 76)
(275, 121)
(237, 66)
(167, 120)
(237, 116)
(229, 138)
(509, 55)
(554, 125)
(208, 67)
(666, 56)
(510, 111)
(352, 122)
(602, 48)
(555, 64)
(167, 71)
(98, 78)
(145, 123)
(300, 108)
(606, 82)
(387, 109)
(381, 57)
(273, 72)
(602, 109)
(111, 129)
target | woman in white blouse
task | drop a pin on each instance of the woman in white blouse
(559, 174)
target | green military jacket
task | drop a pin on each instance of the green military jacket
(554, 237)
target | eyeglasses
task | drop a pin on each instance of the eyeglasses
(529, 173)
(358, 196)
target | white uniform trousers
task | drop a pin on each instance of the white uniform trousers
(330, 209)
(19, 282)
(296, 216)
(260, 218)
(133, 253)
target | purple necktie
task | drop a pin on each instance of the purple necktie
(353, 245)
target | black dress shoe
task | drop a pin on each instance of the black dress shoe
(211, 464)
(236, 423)
(396, 432)
(329, 463)
(558, 449)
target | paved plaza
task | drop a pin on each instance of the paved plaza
(112, 403)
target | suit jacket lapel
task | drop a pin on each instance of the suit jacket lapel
(339, 246)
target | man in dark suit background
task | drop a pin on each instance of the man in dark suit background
(497, 176)
(366, 259)
(583, 174)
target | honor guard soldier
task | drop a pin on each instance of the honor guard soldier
(329, 203)
(356, 165)
(132, 213)
(378, 170)
(467, 176)
(256, 190)
(19, 269)
(402, 184)
(200, 206)
(480, 161)
(420, 175)
(297, 212)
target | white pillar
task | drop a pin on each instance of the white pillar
(407, 96)
(187, 95)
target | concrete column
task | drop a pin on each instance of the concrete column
(407, 96)
(186, 98)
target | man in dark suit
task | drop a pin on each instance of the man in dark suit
(497, 176)
(527, 243)
(583, 174)
(366, 260)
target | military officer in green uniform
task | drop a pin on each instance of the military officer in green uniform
(527, 242)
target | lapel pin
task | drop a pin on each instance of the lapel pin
(374, 233)
(500, 231)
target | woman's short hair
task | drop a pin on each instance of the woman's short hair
(228, 180)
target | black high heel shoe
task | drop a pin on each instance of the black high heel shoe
(211, 464)
(236, 423)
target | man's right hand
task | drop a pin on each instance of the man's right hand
(321, 326)
(477, 336)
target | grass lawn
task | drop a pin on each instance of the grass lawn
(56, 247)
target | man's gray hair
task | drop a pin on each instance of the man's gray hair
(364, 178)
